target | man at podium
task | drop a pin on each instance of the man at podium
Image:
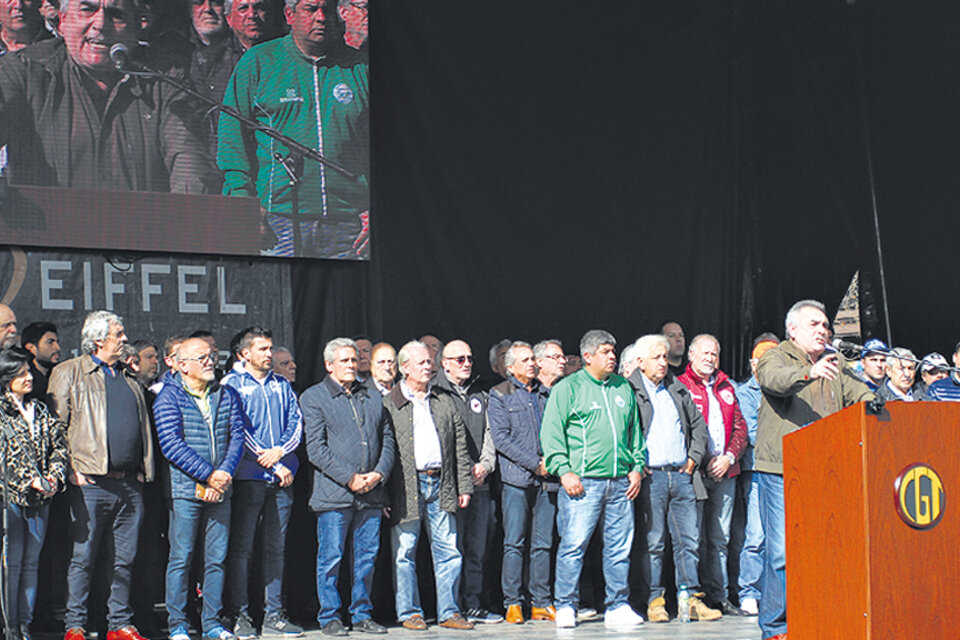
(802, 381)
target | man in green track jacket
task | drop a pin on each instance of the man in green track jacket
(591, 439)
(314, 90)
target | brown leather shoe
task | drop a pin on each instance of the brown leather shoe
(514, 614)
(75, 633)
(657, 610)
(128, 632)
(456, 621)
(414, 622)
(698, 610)
(543, 613)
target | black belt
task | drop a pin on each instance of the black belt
(429, 472)
(668, 467)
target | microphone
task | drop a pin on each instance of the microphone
(120, 55)
(839, 344)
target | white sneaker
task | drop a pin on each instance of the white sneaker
(566, 618)
(622, 617)
(584, 615)
(750, 605)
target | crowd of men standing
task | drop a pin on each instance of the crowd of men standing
(398, 442)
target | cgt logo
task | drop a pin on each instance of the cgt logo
(920, 496)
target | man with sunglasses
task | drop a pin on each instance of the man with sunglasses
(473, 523)
(264, 487)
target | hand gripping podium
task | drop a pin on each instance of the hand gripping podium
(873, 524)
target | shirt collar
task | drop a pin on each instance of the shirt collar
(112, 370)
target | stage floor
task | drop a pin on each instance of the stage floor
(724, 629)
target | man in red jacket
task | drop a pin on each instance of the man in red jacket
(716, 398)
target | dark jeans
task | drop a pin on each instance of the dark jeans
(669, 498)
(186, 518)
(332, 530)
(253, 500)
(473, 525)
(528, 514)
(113, 507)
(25, 532)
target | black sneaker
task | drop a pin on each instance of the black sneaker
(243, 628)
(482, 616)
(727, 608)
(334, 628)
(367, 625)
(277, 624)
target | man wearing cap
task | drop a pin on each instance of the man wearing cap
(933, 367)
(751, 554)
(949, 387)
(901, 373)
(873, 362)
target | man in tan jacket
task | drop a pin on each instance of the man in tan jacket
(111, 455)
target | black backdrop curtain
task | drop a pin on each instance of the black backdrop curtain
(540, 169)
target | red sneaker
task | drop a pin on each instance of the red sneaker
(75, 633)
(128, 632)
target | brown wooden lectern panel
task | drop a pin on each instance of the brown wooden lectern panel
(130, 221)
(856, 568)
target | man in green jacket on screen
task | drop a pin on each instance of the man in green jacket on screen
(591, 439)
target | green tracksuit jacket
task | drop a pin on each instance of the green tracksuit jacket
(322, 103)
(592, 428)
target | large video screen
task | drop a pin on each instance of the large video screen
(112, 139)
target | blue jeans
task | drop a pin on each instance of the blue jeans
(442, 530)
(251, 500)
(332, 530)
(577, 517)
(773, 582)
(212, 520)
(751, 555)
(473, 526)
(533, 509)
(25, 532)
(112, 507)
(715, 514)
(670, 500)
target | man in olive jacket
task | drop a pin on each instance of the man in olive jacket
(431, 480)
(801, 382)
(351, 447)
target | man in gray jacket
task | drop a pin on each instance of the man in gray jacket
(431, 481)
(350, 444)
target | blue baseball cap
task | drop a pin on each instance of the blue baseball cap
(874, 346)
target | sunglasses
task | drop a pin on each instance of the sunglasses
(460, 359)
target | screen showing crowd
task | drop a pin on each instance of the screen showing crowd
(94, 101)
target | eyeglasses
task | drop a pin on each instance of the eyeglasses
(460, 359)
(205, 358)
(556, 356)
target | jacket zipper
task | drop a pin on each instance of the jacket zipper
(323, 170)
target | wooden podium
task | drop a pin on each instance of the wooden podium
(856, 567)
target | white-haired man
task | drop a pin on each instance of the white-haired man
(901, 382)
(111, 454)
(802, 381)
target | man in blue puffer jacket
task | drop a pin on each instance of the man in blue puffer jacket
(200, 426)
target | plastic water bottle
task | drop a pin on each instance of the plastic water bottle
(683, 604)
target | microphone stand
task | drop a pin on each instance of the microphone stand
(292, 163)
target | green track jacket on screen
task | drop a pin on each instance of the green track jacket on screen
(322, 103)
(592, 428)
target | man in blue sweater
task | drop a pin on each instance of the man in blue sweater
(200, 427)
(264, 490)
